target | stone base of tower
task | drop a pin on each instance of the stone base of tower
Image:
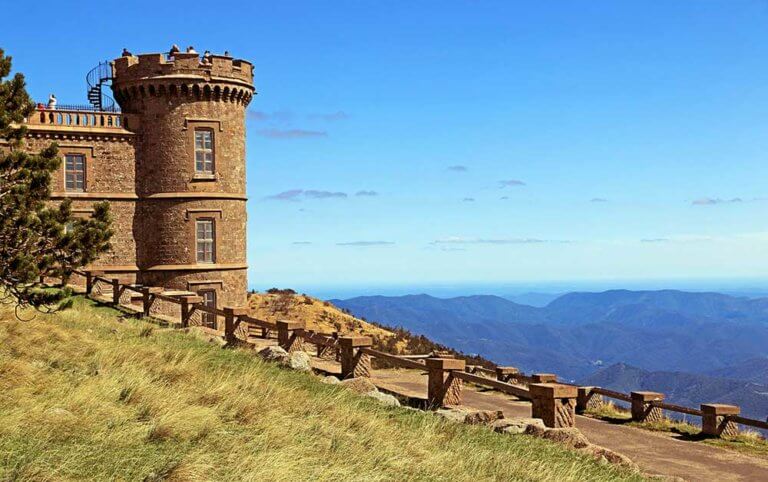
(230, 285)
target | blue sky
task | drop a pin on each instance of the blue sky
(496, 141)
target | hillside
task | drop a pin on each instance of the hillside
(752, 370)
(90, 395)
(324, 317)
(320, 316)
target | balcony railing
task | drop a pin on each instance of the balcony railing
(81, 107)
(76, 116)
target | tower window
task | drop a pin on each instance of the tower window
(204, 151)
(74, 172)
(206, 240)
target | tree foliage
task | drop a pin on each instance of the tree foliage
(37, 237)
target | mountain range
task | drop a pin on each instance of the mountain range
(694, 347)
(578, 333)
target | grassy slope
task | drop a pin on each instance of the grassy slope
(83, 396)
(324, 317)
(319, 316)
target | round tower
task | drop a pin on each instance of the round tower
(190, 223)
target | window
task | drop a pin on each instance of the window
(74, 172)
(204, 151)
(206, 244)
(209, 300)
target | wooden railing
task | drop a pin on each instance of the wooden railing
(444, 374)
(647, 406)
(395, 360)
(503, 387)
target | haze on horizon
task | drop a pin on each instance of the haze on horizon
(472, 141)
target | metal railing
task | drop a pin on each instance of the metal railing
(78, 108)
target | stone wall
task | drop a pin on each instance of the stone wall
(166, 100)
(143, 163)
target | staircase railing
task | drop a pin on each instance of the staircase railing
(96, 79)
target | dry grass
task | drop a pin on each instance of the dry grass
(83, 396)
(319, 315)
(609, 411)
(747, 441)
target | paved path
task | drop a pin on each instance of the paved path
(655, 452)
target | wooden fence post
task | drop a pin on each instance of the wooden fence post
(186, 312)
(148, 297)
(90, 280)
(355, 363)
(289, 335)
(442, 387)
(554, 403)
(544, 378)
(586, 399)
(230, 314)
(329, 352)
(115, 291)
(714, 421)
(642, 408)
(506, 374)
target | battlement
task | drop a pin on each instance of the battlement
(153, 66)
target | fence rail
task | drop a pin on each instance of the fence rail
(677, 408)
(749, 421)
(394, 359)
(507, 388)
(612, 394)
(351, 348)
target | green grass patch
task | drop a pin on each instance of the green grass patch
(89, 395)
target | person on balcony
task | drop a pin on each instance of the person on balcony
(52, 102)
(174, 50)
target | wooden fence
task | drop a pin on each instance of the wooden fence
(556, 403)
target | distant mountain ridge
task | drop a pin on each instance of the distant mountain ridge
(686, 388)
(577, 333)
(618, 305)
(752, 370)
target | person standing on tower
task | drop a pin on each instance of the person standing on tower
(174, 50)
(52, 102)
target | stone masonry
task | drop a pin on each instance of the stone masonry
(142, 161)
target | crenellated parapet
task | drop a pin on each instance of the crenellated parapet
(187, 75)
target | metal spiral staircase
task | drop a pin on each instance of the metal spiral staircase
(99, 77)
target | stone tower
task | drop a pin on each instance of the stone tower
(188, 115)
